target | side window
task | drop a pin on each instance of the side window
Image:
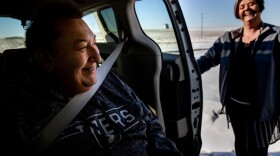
(94, 26)
(103, 25)
(109, 20)
(158, 26)
(12, 34)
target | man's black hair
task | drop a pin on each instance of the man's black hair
(42, 32)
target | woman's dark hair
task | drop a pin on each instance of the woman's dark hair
(236, 7)
(42, 33)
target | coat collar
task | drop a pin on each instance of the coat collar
(238, 32)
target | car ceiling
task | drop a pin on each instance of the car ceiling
(23, 9)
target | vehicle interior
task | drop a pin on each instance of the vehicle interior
(159, 68)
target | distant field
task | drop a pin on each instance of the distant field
(201, 40)
(11, 43)
(204, 40)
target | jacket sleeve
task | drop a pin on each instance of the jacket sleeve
(212, 57)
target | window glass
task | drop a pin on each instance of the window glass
(90, 19)
(12, 34)
(103, 25)
(110, 21)
(155, 22)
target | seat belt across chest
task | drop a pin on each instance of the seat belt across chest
(75, 105)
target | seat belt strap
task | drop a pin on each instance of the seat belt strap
(75, 105)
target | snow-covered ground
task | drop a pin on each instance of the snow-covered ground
(216, 136)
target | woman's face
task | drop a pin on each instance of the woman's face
(249, 11)
(76, 56)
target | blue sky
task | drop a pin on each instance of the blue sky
(9, 27)
(220, 12)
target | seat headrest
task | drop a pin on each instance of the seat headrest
(14, 62)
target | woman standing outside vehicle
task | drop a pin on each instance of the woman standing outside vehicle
(249, 60)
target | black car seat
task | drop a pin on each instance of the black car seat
(14, 61)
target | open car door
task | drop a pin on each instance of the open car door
(180, 80)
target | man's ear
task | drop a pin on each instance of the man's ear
(43, 57)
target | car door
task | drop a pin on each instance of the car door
(180, 80)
